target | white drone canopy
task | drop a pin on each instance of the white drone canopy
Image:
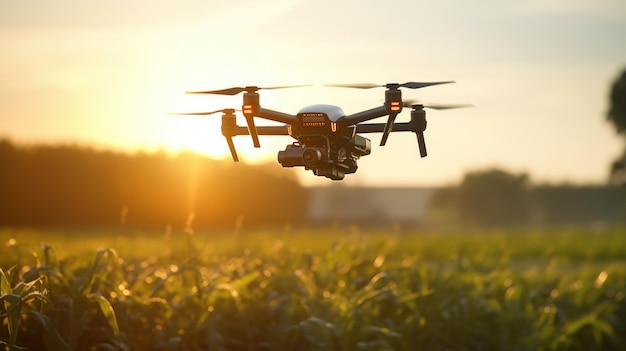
(333, 112)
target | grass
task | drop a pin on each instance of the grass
(314, 289)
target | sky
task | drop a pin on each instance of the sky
(106, 74)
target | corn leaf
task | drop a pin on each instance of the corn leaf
(50, 335)
(107, 310)
(5, 287)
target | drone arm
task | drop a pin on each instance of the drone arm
(276, 116)
(364, 116)
(263, 130)
(412, 126)
(380, 127)
(231, 129)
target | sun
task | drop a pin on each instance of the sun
(202, 134)
(199, 134)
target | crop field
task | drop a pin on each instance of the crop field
(313, 289)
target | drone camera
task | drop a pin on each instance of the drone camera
(294, 156)
(311, 156)
(362, 145)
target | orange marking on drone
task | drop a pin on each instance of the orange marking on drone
(395, 106)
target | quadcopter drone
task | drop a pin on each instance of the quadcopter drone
(328, 142)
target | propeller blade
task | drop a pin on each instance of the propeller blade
(228, 91)
(411, 103)
(447, 106)
(286, 86)
(196, 113)
(237, 90)
(417, 85)
(410, 85)
(357, 85)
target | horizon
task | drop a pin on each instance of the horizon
(292, 171)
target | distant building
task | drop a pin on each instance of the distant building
(368, 206)
(412, 206)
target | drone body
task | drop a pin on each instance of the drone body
(322, 145)
(327, 141)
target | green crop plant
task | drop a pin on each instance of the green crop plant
(317, 291)
(22, 308)
(61, 301)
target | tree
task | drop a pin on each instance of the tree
(617, 100)
(494, 198)
(64, 185)
(617, 115)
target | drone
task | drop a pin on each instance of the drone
(327, 141)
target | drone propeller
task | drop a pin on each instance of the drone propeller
(224, 110)
(418, 119)
(410, 85)
(228, 122)
(250, 103)
(416, 103)
(393, 97)
(237, 90)
(446, 106)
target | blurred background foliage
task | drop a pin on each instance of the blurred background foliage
(497, 198)
(69, 185)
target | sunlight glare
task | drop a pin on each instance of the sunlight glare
(202, 134)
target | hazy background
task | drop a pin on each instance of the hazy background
(106, 74)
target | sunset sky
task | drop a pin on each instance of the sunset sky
(539, 71)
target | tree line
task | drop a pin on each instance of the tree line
(497, 198)
(68, 185)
